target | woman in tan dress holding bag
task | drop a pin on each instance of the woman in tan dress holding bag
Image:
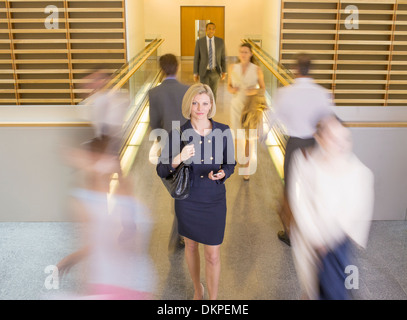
(245, 81)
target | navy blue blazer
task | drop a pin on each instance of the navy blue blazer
(213, 152)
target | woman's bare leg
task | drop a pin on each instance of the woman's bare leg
(194, 267)
(212, 270)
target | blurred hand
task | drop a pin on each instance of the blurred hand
(223, 76)
(196, 77)
(233, 90)
(320, 252)
(251, 92)
(65, 265)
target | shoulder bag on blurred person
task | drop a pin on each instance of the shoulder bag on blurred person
(252, 114)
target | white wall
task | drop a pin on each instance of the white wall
(134, 27)
(243, 18)
(35, 181)
(384, 151)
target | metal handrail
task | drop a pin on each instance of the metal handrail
(130, 64)
(138, 63)
(123, 74)
(284, 75)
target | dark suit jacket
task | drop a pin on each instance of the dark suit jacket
(220, 147)
(166, 104)
(201, 58)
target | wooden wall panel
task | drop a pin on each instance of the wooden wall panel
(8, 93)
(363, 64)
(43, 63)
(397, 93)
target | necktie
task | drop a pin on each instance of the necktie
(210, 55)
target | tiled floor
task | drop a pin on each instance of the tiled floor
(255, 264)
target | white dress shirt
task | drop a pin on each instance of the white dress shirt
(213, 51)
(299, 106)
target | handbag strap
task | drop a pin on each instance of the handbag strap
(182, 145)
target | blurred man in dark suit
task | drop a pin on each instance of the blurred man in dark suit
(166, 98)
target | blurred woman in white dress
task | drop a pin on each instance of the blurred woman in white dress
(245, 80)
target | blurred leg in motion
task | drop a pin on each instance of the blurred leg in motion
(332, 273)
(285, 214)
(286, 218)
(176, 241)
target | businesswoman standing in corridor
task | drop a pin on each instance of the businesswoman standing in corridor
(210, 152)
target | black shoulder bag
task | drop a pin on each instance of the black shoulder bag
(179, 182)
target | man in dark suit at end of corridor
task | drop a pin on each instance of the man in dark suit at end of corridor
(210, 59)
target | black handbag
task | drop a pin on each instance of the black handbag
(179, 182)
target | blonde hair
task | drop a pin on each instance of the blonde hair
(194, 90)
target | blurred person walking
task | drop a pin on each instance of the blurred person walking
(299, 107)
(166, 113)
(106, 109)
(118, 227)
(210, 59)
(210, 153)
(246, 83)
(331, 195)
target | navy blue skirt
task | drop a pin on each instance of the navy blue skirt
(201, 220)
